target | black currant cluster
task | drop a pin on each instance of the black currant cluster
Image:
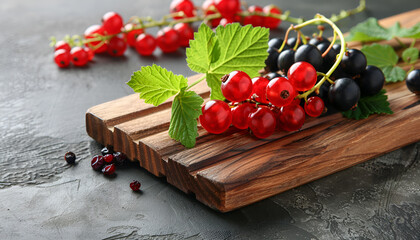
(352, 78)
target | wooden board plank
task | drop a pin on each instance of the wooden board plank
(234, 169)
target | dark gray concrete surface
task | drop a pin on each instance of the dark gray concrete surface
(42, 112)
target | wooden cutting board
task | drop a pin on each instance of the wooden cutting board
(234, 169)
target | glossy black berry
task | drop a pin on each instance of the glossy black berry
(329, 59)
(292, 42)
(353, 62)
(272, 75)
(309, 53)
(70, 157)
(285, 60)
(276, 43)
(106, 150)
(370, 81)
(413, 81)
(344, 94)
(135, 186)
(119, 158)
(317, 40)
(271, 61)
(337, 47)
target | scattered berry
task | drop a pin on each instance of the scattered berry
(413, 81)
(70, 157)
(119, 158)
(109, 170)
(97, 162)
(108, 158)
(135, 186)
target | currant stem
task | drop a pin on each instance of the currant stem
(196, 82)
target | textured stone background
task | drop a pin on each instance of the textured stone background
(42, 116)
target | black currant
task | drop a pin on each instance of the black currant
(309, 53)
(317, 40)
(70, 157)
(285, 60)
(272, 75)
(276, 43)
(370, 81)
(344, 94)
(329, 59)
(292, 42)
(353, 62)
(413, 81)
(337, 47)
(271, 61)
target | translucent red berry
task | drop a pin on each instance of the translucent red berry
(228, 8)
(131, 34)
(145, 44)
(93, 32)
(116, 46)
(259, 85)
(314, 106)
(167, 40)
(135, 186)
(97, 162)
(240, 115)
(79, 57)
(291, 117)
(271, 22)
(112, 23)
(109, 170)
(302, 75)
(62, 58)
(62, 45)
(216, 116)
(90, 53)
(225, 21)
(262, 122)
(236, 86)
(254, 20)
(185, 6)
(207, 7)
(185, 33)
(108, 158)
(280, 91)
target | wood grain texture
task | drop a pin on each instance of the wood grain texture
(233, 169)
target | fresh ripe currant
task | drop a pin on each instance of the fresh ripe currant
(207, 6)
(236, 86)
(228, 8)
(62, 45)
(70, 157)
(108, 158)
(167, 40)
(276, 43)
(259, 85)
(280, 91)
(309, 53)
(131, 34)
(271, 22)
(302, 75)
(112, 23)
(344, 94)
(93, 32)
(262, 122)
(225, 21)
(216, 116)
(413, 81)
(317, 40)
(370, 81)
(135, 186)
(314, 106)
(337, 48)
(116, 46)
(79, 56)
(353, 62)
(292, 42)
(240, 115)
(145, 44)
(90, 53)
(291, 117)
(285, 60)
(97, 162)
(185, 33)
(62, 58)
(119, 158)
(271, 61)
(185, 6)
(329, 59)
(109, 170)
(254, 20)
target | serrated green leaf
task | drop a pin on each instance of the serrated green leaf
(213, 81)
(203, 50)
(156, 84)
(369, 30)
(186, 108)
(393, 73)
(241, 48)
(413, 32)
(380, 55)
(369, 105)
(410, 55)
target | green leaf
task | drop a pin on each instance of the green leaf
(393, 73)
(410, 55)
(241, 48)
(156, 84)
(186, 108)
(369, 105)
(380, 55)
(413, 32)
(203, 50)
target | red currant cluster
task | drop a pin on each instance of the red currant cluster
(263, 105)
(107, 161)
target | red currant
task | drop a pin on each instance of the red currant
(280, 92)
(262, 122)
(116, 46)
(185, 6)
(207, 6)
(291, 117)
(112, 23)
(216, 116)
(135, 186)
(79, 56)
(302, 75)
(185, 33)
(240, 115)
(109, 170)
(167, 40)
(131, 34)
(225, 21)
(92, 32)
(228, 8)
(259, 85)
(62, 45)
(271, 22)
(145, 44)
(108, 158)
(236, 86)
(62, 58)
(90, 53)
(97, 162)
(314, 106)
(254, 20)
